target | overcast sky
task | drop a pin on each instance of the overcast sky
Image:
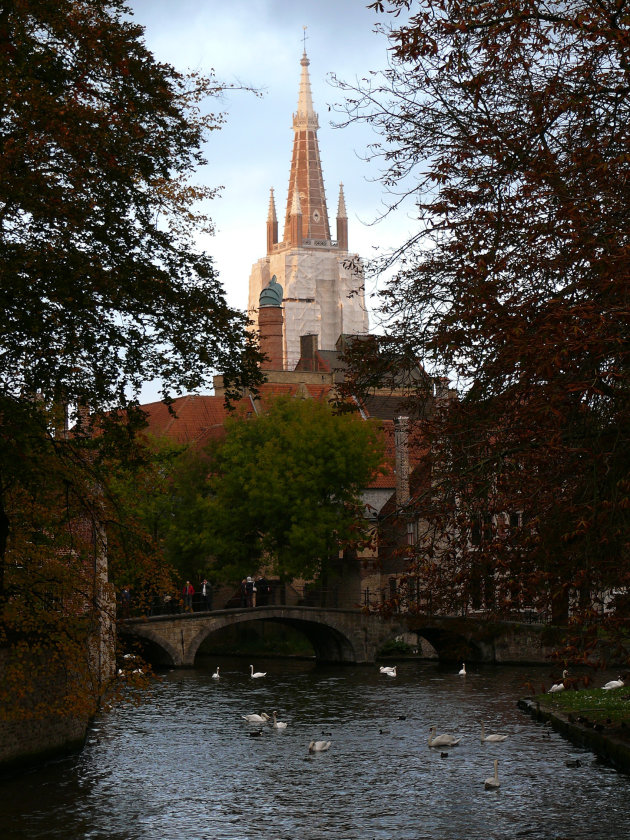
(259, 43)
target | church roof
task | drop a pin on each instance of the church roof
(196, 419)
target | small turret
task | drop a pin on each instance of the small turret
(272, 224)
(342, 222)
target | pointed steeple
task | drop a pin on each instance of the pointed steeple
(305, 116)
(341, 207)
(342, 222)
(272, 224)
(271, 214)
(306, 177)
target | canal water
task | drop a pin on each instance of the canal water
(186, 765)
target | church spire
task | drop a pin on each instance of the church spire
(306, 177)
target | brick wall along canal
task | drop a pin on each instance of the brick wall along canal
(186, 765)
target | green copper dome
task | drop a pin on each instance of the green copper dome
(271, 295)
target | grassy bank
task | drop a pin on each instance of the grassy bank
(592, 718)
(592, 707)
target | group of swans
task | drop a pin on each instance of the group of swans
(255, 675)
(560, 686)
(390, 670)
(450, 740)
(263, 717)
(491, 783)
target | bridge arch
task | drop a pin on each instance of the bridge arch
(329, 643)
(347, 636)
(344, 636)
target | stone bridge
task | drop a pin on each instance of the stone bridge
(340, 636)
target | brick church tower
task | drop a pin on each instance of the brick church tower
(323, 292)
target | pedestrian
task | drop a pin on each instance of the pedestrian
(244, 592)
(250, 590)
(188, 591)
(125, 599)
(262, 592)
(206, 594)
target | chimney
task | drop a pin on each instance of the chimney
(401, 448)
(308, 351)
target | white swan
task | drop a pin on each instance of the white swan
(442, 740)
(491, 739)
(618, 683)
(255, 675)
(559, 686)
(462, 672)
(318, 746)
(262, 718)
(493, 783)
(390, 670)
(278, 724)
(215, 676)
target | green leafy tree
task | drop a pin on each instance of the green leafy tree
(102, 286)
(286, 489)
(508, 126)
(160, 511)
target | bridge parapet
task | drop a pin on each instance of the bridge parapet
(337, 635)
(346, 636)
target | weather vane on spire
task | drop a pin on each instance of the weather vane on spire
(304, 36)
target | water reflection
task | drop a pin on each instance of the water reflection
(184, 765)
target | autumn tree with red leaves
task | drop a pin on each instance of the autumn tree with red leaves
(102, 288)
(507, 126)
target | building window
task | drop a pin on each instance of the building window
(412, 532)
(515, 520)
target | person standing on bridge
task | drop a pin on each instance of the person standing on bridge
(188, 591)
(250, 592)
(206, 594)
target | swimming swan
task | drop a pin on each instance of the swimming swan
(262, 718)
(255, 675)
(618, 683)
(493, 782)
(390, 670)
(278, 724)
(559, 686)
(491, 739)
(215, 676)
(442, 740)
(462, 672)
(318, 746)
